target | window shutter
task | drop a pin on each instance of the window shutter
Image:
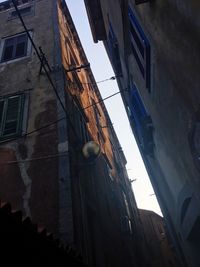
(1, 114)
(13, 116)
(21, 44)
(8, 49)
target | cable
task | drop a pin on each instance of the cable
(31, 132)
(33, 159)
(103, 99)
(42, 60)
(56, 121)
(43, 127)
(105, 80)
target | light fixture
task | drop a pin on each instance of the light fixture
(91, 150)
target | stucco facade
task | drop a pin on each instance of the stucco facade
(154, 46)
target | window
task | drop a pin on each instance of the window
(74, 80)
(77, 83)
(23, 11)
(14, 47)
(101, 136)
(140, 48)
(11, 113)
(79, 119)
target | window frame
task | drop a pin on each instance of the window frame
(28, 48)
(20, 116)
(26, 6)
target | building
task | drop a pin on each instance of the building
(50, 107)
(154, 50)
(159, 247)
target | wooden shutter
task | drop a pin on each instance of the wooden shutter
(1, 114)
(13, 116)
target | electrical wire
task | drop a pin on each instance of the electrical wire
(35, 159)
(56, 121)
(103, 99)
(33, 131)
(105, 80)
(41, 58)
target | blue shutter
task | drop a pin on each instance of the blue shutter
(141, 121)
(137, 107)
(141, 48)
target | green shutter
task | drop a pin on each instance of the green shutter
(1, 115)
(13, 116)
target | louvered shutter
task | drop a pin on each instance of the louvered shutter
(13, 114)
(1, 115)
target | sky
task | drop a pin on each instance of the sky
(102, 69)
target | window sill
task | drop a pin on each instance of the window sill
(4, 63)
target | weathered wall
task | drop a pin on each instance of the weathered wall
(30, 184)
(173, 32)
(172, 29)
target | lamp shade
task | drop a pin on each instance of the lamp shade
(91, 150)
